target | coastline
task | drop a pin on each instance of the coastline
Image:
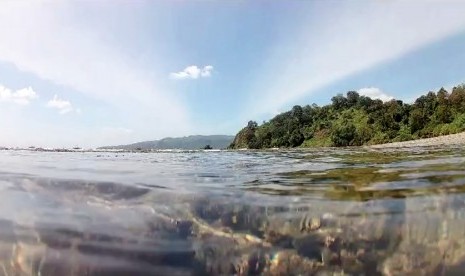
(451, 139)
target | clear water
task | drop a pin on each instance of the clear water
(282, 212)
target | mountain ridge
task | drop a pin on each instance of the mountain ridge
(185, 142)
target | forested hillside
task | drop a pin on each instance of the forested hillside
(355, 120)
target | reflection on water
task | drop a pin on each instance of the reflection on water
(287, 212)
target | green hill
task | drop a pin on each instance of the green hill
(355, 120)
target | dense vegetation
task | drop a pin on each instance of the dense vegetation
(355, 120)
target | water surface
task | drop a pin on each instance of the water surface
(279, 212)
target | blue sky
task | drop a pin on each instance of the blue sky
(92, 74)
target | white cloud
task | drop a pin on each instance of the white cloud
(375, 93)
(63, 106)
(337, 40)
(53, 43)
(193, 72)
(21, 96)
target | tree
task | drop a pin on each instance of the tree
(252, 125)
(263, 136)
(443, 115)
(365, 102)
(296, 138)
(352, 98)
(343, 135)
(339, 102)
(363, 134)
(457, 98)
(443, 97)
(308, 115)
(297, 112)
(417, 120)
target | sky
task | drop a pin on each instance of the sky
(95, 73)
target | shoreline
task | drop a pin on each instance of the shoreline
(451, 139)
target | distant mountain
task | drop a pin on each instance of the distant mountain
(189, 142)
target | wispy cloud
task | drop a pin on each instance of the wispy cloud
(21, 96)
(57, 46)
(375, 93)
(346, 38)
(193, 72)
(63, 106)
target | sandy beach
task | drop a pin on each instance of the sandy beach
(452, 139)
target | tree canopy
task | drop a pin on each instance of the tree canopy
(355, 120)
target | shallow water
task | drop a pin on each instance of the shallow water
(320, 211)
